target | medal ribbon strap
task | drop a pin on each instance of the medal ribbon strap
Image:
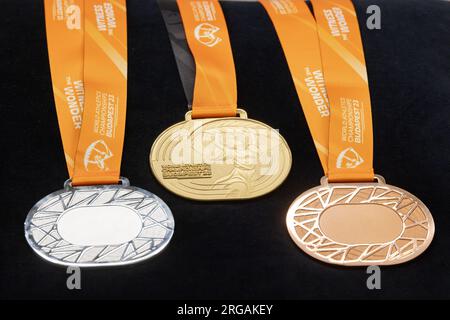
(65, 37)
(350, 134)
(183, 57)
(94, 145)
(302, 52)
(100, 146)
(215, 89)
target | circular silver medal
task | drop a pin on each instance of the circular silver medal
(95, 226)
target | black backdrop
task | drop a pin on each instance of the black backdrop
(239, 249)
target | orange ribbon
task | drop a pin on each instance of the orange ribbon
(326, 59)
(87, 45)
(215, 92)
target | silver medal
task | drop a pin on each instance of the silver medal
(94, 226)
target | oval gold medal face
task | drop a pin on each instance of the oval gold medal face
(358, 224)
(220, 158)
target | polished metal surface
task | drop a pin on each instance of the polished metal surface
(94, 226)
(220, 158)
(360, 224)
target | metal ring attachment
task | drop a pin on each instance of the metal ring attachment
(122, 181)
(241, 113)
(377, 179)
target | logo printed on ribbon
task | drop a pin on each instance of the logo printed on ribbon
(349, 159)
(105, 17)
(205, 33)
(97, 153)
(337, 23)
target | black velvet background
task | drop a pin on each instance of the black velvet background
(239, 249)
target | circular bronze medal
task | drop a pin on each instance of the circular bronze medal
(220, 158)
(359, 224)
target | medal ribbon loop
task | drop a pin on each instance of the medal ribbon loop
(326, 59)
(215, 89)
(87, 46)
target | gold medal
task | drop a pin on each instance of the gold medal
(220, 158)
(353, 218)
(217, 153)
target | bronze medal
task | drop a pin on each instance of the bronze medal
(360, 224)
(353, 218)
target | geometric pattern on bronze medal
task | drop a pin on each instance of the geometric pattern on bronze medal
(157, 227)
(418, 225)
